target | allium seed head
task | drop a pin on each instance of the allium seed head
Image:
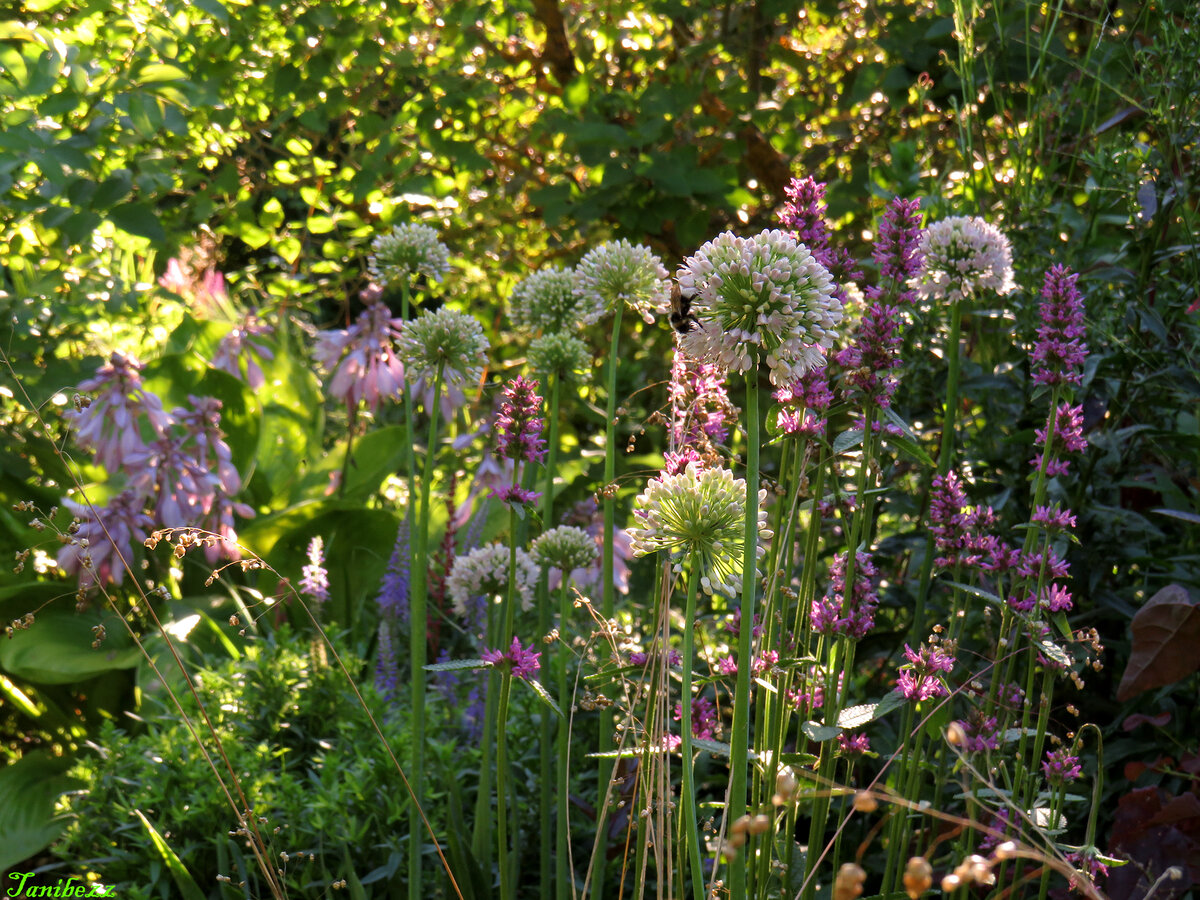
(700, 513)
(620, 272)
(407, 251)
(962, 256)
(547, 301)
(445, 339)
(484, 572)
(562, 355)
(565, 548)
(764, 296)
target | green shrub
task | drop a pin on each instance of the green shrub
(310, 764)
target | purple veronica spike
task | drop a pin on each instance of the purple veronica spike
(315, 581)
(1060, 350)
(392, 598)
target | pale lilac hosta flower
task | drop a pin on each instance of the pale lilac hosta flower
(447, 341)
(123, 412)
(547, 302)
(483, 572)
(407, 251)
(521, 663)
(1060, 350)
(314, 582)
(620, 272)
(243, 342)
(699, 513)
(963, 256)
(561, 355)
(363, 358)
(103, 546)
(765, 294)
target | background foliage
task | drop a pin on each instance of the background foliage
(273, 140)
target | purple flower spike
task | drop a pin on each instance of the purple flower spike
(315, 581)
(919, 679)
(520, 423)
(897, 251)
(1068, 438)
(1060, 351)
(1060, 767)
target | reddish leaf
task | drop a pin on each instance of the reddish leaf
(1185, 806)
(1166, 632)
(1132, 722)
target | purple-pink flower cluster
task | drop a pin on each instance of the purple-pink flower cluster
(1067, 438)
(1061, 767)
(832, 614)
(123, 415)
(804, 214)
(897, 251)
(704, 718)
(521, 663)
(520, 422)
(919, 680)
(806, 401)
(1060, 351)
(700, 409)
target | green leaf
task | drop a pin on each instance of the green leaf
(138, 219)
(542, 694)
(457, 664)
(976, 592)
(188, 888)
(28, 790)
(272, 214)
(155, 73)
(857, 716)
(847, 440)
(57, 648)
(815, 731)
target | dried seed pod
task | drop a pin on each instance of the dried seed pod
(918, 876)
(865, 802)
(849, 882)
(739, 826)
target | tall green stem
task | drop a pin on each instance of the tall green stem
(546, 761)
(418, 617)
(945, 461)
(688, 817)
(564, 876)
(740, 743)
(607, 596)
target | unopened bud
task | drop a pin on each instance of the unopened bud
(918, 876)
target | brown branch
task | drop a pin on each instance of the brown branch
(557, 51)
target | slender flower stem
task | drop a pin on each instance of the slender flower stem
(417, 646)
(688, 816)
(545, 615)
(895, 827)
(564, 876)
(607, 596)
(945, 461)
(508, 885)
(740, 743)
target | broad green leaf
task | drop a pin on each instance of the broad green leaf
(57, 648)
(155, 73)
(29, 788)
(188, 889)
(138, 219)
(815, 731)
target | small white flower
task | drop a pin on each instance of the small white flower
(766, 294)
(407, 251)
(963, 255)
(619, 272)
(484, 573)
(699, 513)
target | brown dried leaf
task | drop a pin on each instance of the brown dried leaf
(1166, 633)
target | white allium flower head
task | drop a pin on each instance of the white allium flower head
(407, 251)
(699, 513)
(565, 548)
(619, 272)
(484, 573)
(963, 256)
(546, 301)
(765, 292)
(446, 338)
(562, 355)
